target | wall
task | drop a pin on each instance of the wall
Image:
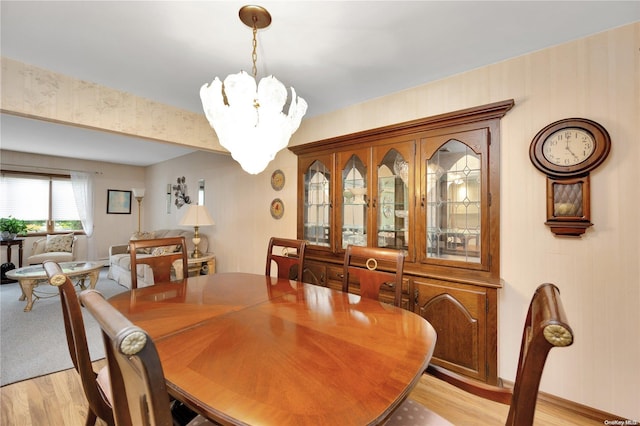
(238, 202)
(109, 229)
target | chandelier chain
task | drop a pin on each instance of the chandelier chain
(254, 54)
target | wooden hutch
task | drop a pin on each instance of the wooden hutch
(430, 187)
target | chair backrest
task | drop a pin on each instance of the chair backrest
(289, 261)
(134, 366)
(77, 343)
(546, 327)
(361, 264)
(161, 255)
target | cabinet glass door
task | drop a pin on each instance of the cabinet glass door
(355, 202)
(454, 203)
(393, 201)
(317, 205)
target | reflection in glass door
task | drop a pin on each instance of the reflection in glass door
(317, 205)
(454, 202)
(355, 203)
(393, 201)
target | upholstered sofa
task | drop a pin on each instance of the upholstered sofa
(59, 248)
(120, 259)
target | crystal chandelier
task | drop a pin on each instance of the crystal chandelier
(248, 118)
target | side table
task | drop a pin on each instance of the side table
(205, 263)
(8, 244)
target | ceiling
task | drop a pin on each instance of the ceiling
(335, 53)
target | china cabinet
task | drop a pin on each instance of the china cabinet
(429, 187)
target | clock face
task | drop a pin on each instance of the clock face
(568, 147)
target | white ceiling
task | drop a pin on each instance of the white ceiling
(335, 53)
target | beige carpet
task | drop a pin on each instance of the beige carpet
(33, 343)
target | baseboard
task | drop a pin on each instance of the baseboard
(574, 407)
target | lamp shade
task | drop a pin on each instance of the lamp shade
(138, 192)
(196, 216)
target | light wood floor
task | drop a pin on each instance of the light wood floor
(58, 400)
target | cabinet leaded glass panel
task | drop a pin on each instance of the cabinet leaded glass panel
(317, 205)
(393, 201)
(355, 203)
(454, 203)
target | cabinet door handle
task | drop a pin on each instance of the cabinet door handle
(374, 203)
(422, 201)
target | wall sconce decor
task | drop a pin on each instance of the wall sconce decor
(180, 189)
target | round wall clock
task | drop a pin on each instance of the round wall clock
(277, 208)
(277, 180)
(570, 147)
(566, 151)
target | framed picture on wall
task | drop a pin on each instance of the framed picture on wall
(118, 202)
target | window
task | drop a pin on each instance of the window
(45, 202)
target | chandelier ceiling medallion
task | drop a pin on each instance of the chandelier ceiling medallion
(248, 117)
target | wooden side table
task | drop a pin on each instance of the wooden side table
(8, 244)
(206, 262)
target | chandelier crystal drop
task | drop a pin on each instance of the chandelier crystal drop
(248, 117)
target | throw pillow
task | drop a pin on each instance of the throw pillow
(59, 243)
(143, 236)
(159, 251)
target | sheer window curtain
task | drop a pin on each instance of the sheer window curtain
(82, 184)
(83, 192)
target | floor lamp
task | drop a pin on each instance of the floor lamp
(196, 216)
(138, 194)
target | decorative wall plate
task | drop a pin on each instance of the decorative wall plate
(277, 208)
(277, 180)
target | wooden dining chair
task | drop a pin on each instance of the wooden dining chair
(96, 386)
(546, 326)
(361, 265)
(290, 260)
(134, 366)
(162, 255)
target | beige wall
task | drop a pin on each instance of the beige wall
(238, 202)
(595, 77)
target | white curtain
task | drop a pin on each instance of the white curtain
(82, 183)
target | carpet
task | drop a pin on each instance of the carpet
(33, 343)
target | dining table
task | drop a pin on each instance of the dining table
(249, 349)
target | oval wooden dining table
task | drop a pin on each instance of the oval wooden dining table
(247, 349)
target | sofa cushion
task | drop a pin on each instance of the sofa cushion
(59, 243)
(124, 260)
(58, 256)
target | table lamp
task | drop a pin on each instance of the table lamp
(196, 216)
(138, 194)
